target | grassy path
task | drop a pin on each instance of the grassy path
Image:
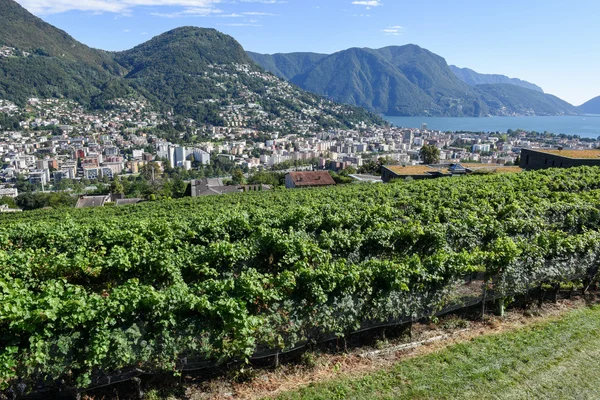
(559, 359)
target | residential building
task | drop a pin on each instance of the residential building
(308, 179)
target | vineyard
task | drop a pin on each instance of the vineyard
(160, 286)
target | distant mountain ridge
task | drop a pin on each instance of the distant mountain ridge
(408, 80)
(473, 78)
(193, 71)
(518, 98)
(183, 70)
(287, 66)
(590, 107)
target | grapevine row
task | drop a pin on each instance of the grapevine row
(85, 293)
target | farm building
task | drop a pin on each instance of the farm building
(438, 171)
(308, 179)
(540, 159)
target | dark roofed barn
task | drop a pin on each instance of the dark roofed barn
(92, 201)
(540, 159)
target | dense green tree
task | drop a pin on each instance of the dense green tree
(237, 177)
(340, 178)
(179, 188)
(9, 122)
(116, 187)
(22, 184)
(267, 178)
(430, 154)
(32, 201)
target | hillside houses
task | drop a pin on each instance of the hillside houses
(60, 140)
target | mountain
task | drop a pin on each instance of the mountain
(590, 107)
(395, 81)
(473, 78)
(203, 74)
(520, 100)
(47, 61)
(21, 29)
(187, 48)
(405, 80)
(170, 69)
(287, 66)
(196, 73)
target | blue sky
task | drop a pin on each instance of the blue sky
(553, 43)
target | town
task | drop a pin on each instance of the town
(52, 141)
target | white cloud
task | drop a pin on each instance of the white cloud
(264, 1)
(210, 12)
(395, 30)
(186, 8)
(191, 12)
(368, 3)
(112, 6)
(259, 14)
(240, 24)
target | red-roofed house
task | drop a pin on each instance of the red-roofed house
(308, 179)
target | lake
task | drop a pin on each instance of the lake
(585, 126)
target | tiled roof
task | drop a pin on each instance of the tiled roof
(314, 178)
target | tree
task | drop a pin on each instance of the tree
(116, 187)
(179, 188)
(32, 201)
(78, 187)
(267, 178)
(374, 167)
(150, 171)
(340, 178)
(22, 184)
(369, 167)
(237, 177)
(430, 154)
(9, 201)
(348, 171)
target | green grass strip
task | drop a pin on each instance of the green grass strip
(558, 359)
